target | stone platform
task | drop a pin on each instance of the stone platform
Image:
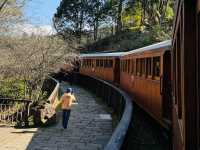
(89, 128)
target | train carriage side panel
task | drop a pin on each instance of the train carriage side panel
(144, 82)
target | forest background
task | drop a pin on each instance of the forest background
(119, 25)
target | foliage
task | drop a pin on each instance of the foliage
(31, 59)
(12, 88)
(105, 18)
(10, 13)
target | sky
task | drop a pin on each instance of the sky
(40, 12)
(38, 16)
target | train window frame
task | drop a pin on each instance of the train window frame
(138, 66)
(122, 65)
(129, 66)
(198, 75)
(110, 63)
(155, 76)
(134, 66)
(105, 64)
(143, 67)
(101, 62)
(126, 66)
(149, 71)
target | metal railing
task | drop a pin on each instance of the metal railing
(115, 98)
(14, 111)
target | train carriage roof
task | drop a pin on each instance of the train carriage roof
(116, 54)
(165, 45)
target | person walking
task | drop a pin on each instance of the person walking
(66, 103)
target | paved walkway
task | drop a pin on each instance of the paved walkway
(89, 128)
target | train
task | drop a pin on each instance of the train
(186, 76)
(163, 78)
(144, 73)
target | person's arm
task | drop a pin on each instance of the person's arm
(74, 99)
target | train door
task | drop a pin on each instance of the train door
(117, 71)
(198, 74)
(166, 87)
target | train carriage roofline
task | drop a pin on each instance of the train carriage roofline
(165, 45)
(115, 54)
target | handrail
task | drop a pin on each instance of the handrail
(55, 92)
(117, 139)
(17, 100)
(53, 79)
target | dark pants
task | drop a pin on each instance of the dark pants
(66, 114)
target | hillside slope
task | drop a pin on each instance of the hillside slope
(125, 41)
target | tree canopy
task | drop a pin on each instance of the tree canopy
(103, 18)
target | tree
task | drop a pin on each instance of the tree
(31, 59)
(10, 13)
(97, 13)
(70, 18)
(119, 16)
(3, 4)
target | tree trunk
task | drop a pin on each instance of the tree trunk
(3, 4)
(96, 26)
(119, 16)
(143, 12)
(80, 27)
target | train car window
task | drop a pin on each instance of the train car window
(129, 67)
(156, 68)
(101, 63)
(110, 63)
(97, 63)
(105, 63)
(125, 66)
(122, 63)
(83, 63)
(86, 63)
(125, 62)
(134, 66)
(143, 66)
(199, 75)
(90, 63)
(138, 67)
(178, 74)
(149, 67)
(121, 67)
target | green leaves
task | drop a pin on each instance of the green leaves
(103, 18)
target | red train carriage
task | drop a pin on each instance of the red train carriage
(145, 73)
(103, 65)
(186, 76)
